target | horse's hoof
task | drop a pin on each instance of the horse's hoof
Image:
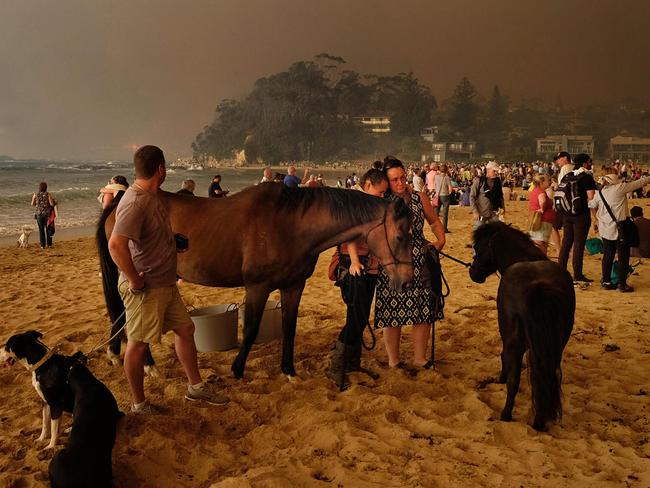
(292, 378)
(506, 417)
(152, 371)
(237, 372)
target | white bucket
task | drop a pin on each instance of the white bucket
(215, 327)
(271, 324)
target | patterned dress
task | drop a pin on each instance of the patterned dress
(395, 309)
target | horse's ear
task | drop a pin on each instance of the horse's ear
(401, 209)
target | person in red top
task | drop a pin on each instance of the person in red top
(540, 202)
(357, 290)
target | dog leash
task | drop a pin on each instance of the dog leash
(467, 265)
(99, 346)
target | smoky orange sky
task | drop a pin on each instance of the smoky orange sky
(86, 79)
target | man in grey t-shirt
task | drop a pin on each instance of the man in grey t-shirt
(143, 247)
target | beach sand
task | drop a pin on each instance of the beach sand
(439, 429)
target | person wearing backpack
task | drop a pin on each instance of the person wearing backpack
(486, 196)
(571, 201)
(614, 195)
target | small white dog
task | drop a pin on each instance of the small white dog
(23, 240)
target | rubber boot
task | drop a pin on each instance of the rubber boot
(335, 371)
(353, 358)
(353, 362)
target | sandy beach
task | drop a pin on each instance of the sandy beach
(438, 429)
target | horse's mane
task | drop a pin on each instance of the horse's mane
(518, 238)
(346, 205)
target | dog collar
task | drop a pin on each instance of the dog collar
(47, 356)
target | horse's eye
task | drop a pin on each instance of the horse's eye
(400, 238)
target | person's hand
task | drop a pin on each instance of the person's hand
(356, 269)
(596, 228)
(137, 284)
(476, 216)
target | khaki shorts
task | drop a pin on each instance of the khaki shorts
(152, 312)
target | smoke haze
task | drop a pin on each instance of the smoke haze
(87, 79)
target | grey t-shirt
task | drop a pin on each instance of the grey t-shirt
(143, 218)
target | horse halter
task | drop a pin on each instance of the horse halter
(395, 260)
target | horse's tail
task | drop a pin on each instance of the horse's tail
(547, 313)
(110, 275)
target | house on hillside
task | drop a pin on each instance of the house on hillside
(549, 146)
(374, 124)
(452, 151)
(628, 147)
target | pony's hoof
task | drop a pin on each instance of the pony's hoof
(152, 371)
(292, 378)
(506, 417)
(539, 426)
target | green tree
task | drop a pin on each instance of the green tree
(463, 109)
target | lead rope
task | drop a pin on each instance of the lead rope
(98, 346)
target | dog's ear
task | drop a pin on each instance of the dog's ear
(34, 334)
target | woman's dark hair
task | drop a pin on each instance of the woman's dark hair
(374, 176)
(42, 186)
(378, 165)
(121, 180)
(391, 162)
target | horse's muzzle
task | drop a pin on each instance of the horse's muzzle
(406, 286)
(476, 276)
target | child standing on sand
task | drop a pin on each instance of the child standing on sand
(357, 270)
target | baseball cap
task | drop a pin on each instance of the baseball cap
(493, 165)
(562, 154)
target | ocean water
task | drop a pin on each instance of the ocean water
(76, 185)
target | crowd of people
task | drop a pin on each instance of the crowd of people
(564, 197)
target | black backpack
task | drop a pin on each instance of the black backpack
(567, 199)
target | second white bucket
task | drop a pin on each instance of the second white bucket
(271, 324)
(215, 327)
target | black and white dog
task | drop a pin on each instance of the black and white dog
(86, 459)
(65, 384)
(49, 377)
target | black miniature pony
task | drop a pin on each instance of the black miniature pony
(536, 305)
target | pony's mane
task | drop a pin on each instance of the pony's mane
(514, 235)
(345, 205)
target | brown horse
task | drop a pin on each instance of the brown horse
(266, 238)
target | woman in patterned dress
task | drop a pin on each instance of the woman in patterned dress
(416, 306)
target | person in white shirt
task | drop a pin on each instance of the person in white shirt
(614, 192)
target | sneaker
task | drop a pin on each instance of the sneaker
(625, 288)
(205, 393)
(608, 286)
(583, 278)
(146, 409)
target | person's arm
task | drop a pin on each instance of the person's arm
(635, 185)
(108, 198)
(118, 246)
(473, 195)
(33, 199)
(305, 177)
(432, 218)
(541, 198)
(593, 208)
(355, 265)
